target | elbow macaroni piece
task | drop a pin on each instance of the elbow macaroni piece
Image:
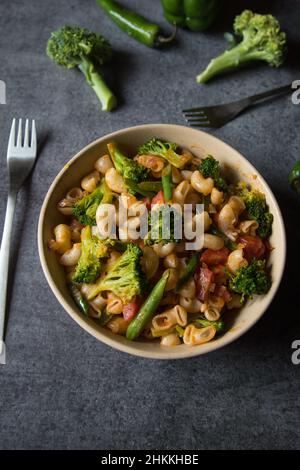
(103, 164)
(65, 206)
(172, 279)
(176, 175)
(170, 340)
(213, 242)
(190, 305)
(150, 262)
(71, 257)
(171, 261)
(248, 227)
(236, 260)
(180, 192)
(175, 316)
(188, 290)
(98, 304)
(114, 304)
(216, 197)
(89, 183)
(62, 242)
(200, 184)
(115, 181)
(152, 162)
(118, 325)
(162, 250)
(193, 336)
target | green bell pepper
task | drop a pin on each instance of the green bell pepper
(196, 15)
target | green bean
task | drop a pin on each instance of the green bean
(188, 272)
(148, 308)
(167, 182)
(150, 186)
(79, 300)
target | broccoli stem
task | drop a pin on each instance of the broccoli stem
(94, 79)
(229, 60)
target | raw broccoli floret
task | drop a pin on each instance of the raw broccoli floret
(71, 46)
(126, 278)
(89, 265)
(251, 279)
(257, 209)
(261, 40)
(166, 150)
(210, 168)
(162, 223)
(85, 209)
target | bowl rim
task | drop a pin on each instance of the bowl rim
(128, 347)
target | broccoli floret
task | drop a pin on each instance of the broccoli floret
(162, 223)
(128, 168)
(210, 168)
(71, 46)
(166, 150)
(85, 209)
(89, 265)
(126, 278)
(261, 40)
(251, 279)
(202, 322)
(257, 209)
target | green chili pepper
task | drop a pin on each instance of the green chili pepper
(188, 272)
(196, 15)
(80, 301)
(166, 180)
(148, 308)
(294, 177)
(134, 25)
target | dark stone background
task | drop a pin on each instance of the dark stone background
(63, 389)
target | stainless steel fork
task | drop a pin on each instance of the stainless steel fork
(217, 116)
(21, 155)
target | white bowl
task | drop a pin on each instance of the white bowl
(200, 143)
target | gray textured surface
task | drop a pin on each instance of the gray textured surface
(63, 389)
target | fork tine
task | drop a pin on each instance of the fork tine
(33, 135)
(194, 113)
(19, 137)
(188, 115)
(197, 119)
(12, 135)
(26, 133)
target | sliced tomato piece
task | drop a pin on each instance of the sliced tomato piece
(213, 257)
(130, 310)
(158, 198)
(204, 278)
(253, 247)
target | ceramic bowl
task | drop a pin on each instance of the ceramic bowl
(200, 143)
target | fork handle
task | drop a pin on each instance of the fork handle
(273, 92)
(4, 258)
